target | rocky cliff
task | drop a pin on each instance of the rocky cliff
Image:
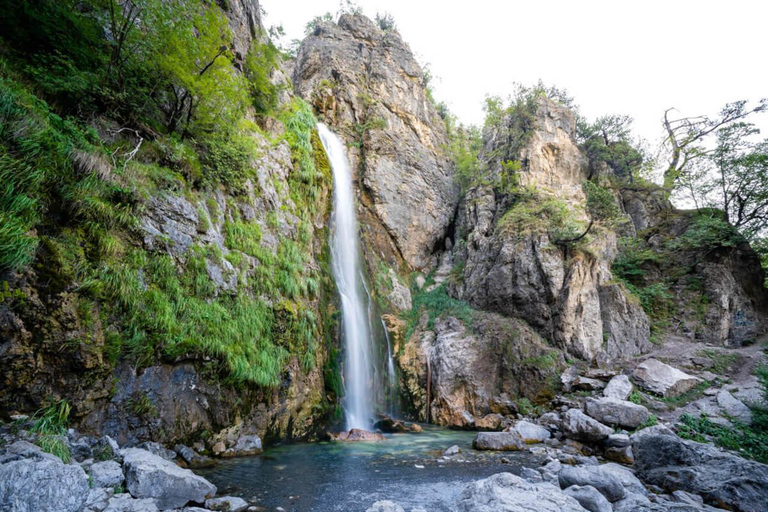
(209, 307)
(365, 83)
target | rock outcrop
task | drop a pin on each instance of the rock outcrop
(471, 371)
(722, 479)
(366, 83)
(520, 271)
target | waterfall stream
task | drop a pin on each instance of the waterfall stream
(358, 367)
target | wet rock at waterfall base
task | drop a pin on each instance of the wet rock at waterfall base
(356, 434)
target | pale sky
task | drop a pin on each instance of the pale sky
(613, 56)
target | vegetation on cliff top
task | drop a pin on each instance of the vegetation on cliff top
(92, 127)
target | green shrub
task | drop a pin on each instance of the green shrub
(50, 425)
(748, 442)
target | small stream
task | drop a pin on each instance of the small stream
(349, 477)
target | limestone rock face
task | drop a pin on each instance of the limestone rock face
(565, 296)
(608, 484)
(506, 492)
(663, 379)
(367, 85)
(471, 371)
(625, 324)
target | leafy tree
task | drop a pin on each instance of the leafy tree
(386, 22)
(733, 177)
(687, 136)
(312, 24)
(609, 140)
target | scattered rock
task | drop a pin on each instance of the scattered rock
(98, 499)
(568, 378)
(125, 503)
(157, 449)
(248, 445)
(415, 428)
(491, 422)
(107, 474)
(219, 448)
(734, 407)
(385, 506)
(579, 426)
(655, 430)
(150, 476)
(529, 432)
(627, 478)
(42, 483)
(613, 411)
(722, 479)
(663, 379)
(226, 504)
(506, 492)
(387, 424)
(589, 498)
(356, 434)
(453, 450)
(501, 441)
(635, 503)
(587, 384)
(531, 475)
(192, 458)
(618, 387)
(502, 405)
(606, 482)
(550, 420)
(622, 454)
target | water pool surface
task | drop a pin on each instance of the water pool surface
(348, 477)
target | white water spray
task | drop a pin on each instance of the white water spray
(358, 361)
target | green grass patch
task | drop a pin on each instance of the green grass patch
(687, 397)
(50, 425)
(721, 363)
(747, 441)
(437, 303)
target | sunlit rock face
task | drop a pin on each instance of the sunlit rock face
(368, 87)
(524, 273)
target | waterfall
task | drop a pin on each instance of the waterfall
(358, 364)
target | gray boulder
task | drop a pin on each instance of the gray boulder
(226, 504)
(150, 476)
(618, 387)
(98, 499)
(529, 432)
(612, 411)
(502, 441)
(626, 476)
(157, 449)
(577, 425)
(125, 503)
(607, 483)
(636, 503)
(734, 408)
(721, 478)
(42, 484)
(506, 492)
(452, 450)
(248, 445)
(107, 474)
(663, 379)
(655, 430)
(589, 498)
(385, 506)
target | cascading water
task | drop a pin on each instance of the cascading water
(358, 368)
